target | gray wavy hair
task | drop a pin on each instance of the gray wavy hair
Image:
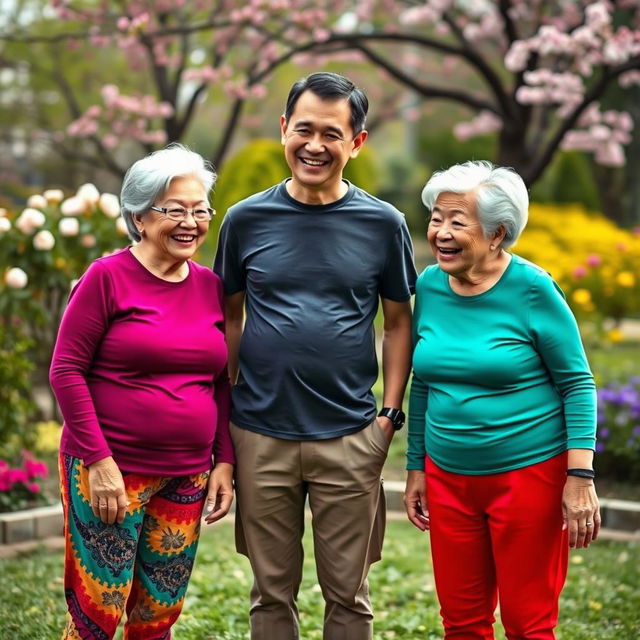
(502, 196)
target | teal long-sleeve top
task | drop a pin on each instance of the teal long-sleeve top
(500, 379)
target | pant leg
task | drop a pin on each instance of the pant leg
(462, 556)
(347, 504)
(165, 557)
(270, 497)
(99, 558)
(530, 548)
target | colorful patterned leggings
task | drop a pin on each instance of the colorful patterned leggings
(142, 565)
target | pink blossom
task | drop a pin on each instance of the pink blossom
(36, 468)
(580, 271)
(34, 487)
(17, 475)
(517, 56)
(611, 154)
(593, 260)
(88, 241)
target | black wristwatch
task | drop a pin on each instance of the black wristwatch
(396, 416)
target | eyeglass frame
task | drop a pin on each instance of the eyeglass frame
(185, 211)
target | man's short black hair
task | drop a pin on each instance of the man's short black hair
(331, 86)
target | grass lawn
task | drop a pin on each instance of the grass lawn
(600, 602)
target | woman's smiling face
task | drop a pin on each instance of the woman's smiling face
(171, 240)
(455, 234)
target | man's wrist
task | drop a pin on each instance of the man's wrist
(396, 416)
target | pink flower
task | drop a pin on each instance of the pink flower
(580, 271)
(34, 487)
(36, 468)
(593, 260)
(17, 475)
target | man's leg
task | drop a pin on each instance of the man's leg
(269, 526)
(347, 504)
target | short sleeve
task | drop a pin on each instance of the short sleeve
(227, 263)
(399, 276)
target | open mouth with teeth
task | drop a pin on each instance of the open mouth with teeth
(184, 238)
(448, 251)
(310, 162)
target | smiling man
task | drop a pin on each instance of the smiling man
(309, 260)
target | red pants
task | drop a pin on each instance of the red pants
(500, 536)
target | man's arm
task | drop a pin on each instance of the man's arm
(396, 356)
(234, 323)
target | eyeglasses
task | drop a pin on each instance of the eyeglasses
(178, 214)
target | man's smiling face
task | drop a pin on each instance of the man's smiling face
(318, 142)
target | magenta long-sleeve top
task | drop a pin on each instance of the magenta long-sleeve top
(140, 369)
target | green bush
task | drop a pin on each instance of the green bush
(16, 405)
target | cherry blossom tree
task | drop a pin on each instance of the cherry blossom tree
(535, 73)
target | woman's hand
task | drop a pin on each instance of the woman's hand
(415, 500)
(581, 511)
(220, 492)
(107, 491)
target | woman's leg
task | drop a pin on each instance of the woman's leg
(462, 556)
(530, 547)
(99, 559)
(166, 552)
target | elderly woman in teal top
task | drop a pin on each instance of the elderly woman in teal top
(502, 414)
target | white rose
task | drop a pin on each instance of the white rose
(5, 225)
(73, 206)
(88, 193)
(53, 196)
(30, 220)
(69, 227)
(3, 212)
(16, 278)
(37, 201)
(110, 205)
(44, 240)
(121, 227)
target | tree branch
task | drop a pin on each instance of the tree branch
(425, 90)
(594, 93)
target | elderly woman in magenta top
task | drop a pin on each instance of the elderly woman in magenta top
(140, 374)
(502, 414)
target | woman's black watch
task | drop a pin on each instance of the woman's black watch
(396, 416)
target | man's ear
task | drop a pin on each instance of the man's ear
(283, 129)
(358, 142)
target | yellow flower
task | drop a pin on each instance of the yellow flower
(615, 335)
(626, 279)
(60, 262)
(582, 296)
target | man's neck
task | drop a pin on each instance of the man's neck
(324, 195)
